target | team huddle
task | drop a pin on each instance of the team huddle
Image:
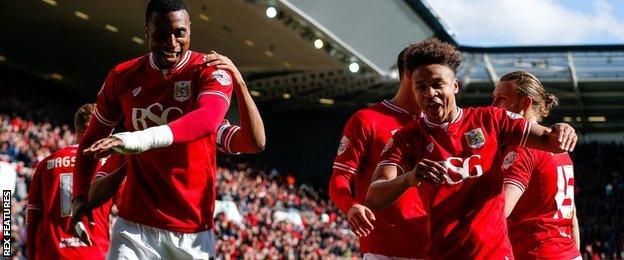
(417, 175)
(434, 180)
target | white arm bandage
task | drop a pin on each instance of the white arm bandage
(140, 141)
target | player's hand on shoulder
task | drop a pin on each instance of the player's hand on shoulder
(360, 220)
(427, 170)
(104, 147)
(223, 62)
(563, 136)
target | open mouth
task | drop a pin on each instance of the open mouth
(434, 107)
(171, 56)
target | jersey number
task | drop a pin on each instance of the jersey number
(565, 192)
(65, 194)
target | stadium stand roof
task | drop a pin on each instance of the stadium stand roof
(77, 42)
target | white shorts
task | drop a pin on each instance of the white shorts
(135, 241)
(371, 256)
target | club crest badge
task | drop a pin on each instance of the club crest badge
(475, 138)
(509, 159)
(222, 77)
(182, 90)
(344, 143)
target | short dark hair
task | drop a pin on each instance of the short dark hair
(401, 63)
(432, 51)
(163, 6)
(82, 117)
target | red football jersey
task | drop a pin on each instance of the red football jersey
(363, 140)
(540, 226)
(466, 214)
(51, 193)
(170, 188)
(225, 132)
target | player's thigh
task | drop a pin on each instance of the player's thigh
(190, 246)
(131, 241)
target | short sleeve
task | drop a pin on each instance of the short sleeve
(353, 144)
(400, 150)
(517, 167)
(216, 82)
(108, 108)
(513, 128)
(225, 132)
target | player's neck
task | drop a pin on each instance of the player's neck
(531, 116)
(404, 100)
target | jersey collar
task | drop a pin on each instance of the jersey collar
(446, 125)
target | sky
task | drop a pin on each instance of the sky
(533, 22)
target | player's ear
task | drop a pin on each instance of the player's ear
(145, 31)
(526, 103)
(455, 86)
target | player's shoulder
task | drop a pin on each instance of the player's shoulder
(520, 152)
(412, 128)
(129, 65)
(482, 110)
(366, 117)
(66, 151)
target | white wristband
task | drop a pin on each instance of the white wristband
(140, 141)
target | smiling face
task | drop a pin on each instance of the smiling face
(435, 87)
(169, 37)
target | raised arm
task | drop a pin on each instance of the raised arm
(558, 138)
(250, 138)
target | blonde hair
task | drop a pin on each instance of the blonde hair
(527, 85)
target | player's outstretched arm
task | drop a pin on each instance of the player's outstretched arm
(107, 181)
(251, 137)
(558, 138)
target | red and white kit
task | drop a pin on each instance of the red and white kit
(362, 143)
(466, 214)
(540, 226)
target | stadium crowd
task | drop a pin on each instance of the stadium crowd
(322, 232)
